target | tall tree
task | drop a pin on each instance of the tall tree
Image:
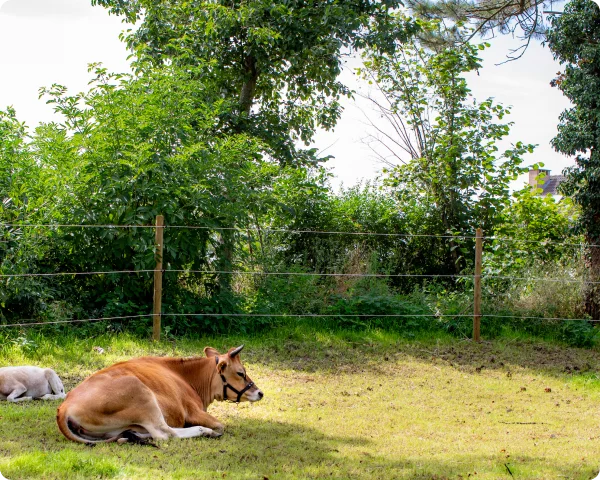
(277, 62)
(440, 143)
(129, 149)
(575, 42)
(573, 39)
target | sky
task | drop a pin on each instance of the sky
(52, 41)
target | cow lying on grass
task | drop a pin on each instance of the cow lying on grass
(155, 397)
(19, 384)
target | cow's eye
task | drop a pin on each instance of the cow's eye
(241, 374)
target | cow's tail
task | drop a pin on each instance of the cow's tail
(75, 432)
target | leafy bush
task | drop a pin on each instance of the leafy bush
(579, 333)
(347, 313)
(531, 235)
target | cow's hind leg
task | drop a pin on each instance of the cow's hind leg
(133, 436)
(15, 395)
(147, 414)
(157, 427)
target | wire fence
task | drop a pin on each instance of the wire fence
(79, 320)
(245, 230)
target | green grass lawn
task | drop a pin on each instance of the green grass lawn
(340, 406)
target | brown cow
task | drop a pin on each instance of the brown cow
(155, 397)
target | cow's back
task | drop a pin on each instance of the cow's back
(153, 372)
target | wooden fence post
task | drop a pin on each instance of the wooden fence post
(156, 317)
(477, 286)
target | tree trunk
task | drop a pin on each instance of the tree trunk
(592, 293)
(249, 85)
(225, 251)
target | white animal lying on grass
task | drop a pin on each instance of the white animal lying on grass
(18, 384)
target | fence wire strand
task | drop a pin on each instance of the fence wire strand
(306, 274)
(303, 315)
(385, 275)
(83, 320)
(468, 236)
(57, 274)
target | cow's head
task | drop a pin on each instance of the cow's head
(237, 385)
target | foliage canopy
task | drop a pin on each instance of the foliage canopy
(573, 40)
(279, 61)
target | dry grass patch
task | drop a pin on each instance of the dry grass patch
(360, 407)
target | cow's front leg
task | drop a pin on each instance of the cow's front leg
(200, 418)
(197, 431)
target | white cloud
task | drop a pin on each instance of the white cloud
(38, 8)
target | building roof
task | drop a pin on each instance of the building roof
(541, 179)
(550, 184)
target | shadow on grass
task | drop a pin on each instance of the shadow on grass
(250, 449)
(359, 351)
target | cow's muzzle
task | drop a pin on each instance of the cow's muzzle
(253, 396)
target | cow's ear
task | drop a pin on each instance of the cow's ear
(221, 366)
(210, 352)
